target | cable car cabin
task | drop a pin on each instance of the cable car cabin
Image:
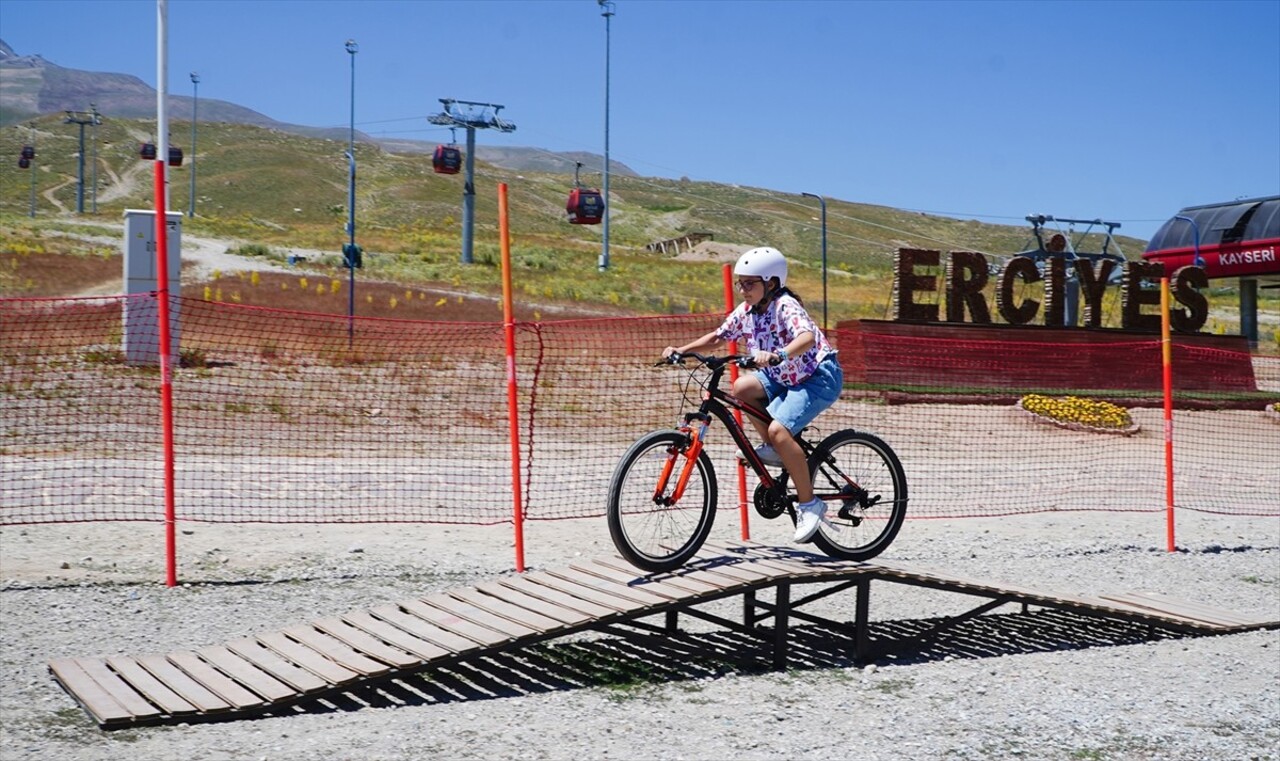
(585, 207)
(447, 159)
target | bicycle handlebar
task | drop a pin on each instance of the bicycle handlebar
(745, 361)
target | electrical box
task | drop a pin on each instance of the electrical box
(141, 286)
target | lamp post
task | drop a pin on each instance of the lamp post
(606, 10)
(822, 201)
(195, 105)
(96, 121)
(351, 252)
(32, 160)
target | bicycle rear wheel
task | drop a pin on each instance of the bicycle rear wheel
(649, 531)
(865, 489)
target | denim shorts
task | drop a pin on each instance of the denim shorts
(797, 407)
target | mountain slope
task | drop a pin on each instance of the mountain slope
(31, 86)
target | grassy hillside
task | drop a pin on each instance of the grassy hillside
(267, 189)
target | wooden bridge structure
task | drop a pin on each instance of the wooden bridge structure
(267, 672)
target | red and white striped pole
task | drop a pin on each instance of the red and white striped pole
(162, 294)
(513, 397)
(1166, 359)
(743, 514)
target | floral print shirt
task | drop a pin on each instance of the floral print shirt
(782, 320)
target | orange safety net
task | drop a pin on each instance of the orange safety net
(286, 416)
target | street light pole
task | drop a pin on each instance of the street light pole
(352, 48)
(606, 10)
(33, 170)
(823, 201)
(195, 105)
(96, 121)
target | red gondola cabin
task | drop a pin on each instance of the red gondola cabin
(585, 207)
(447, 159)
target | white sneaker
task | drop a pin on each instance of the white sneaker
(768, 456)
(809, 516)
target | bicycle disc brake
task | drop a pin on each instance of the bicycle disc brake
(771, 503)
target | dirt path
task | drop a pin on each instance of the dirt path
(123, 185)
(50, 196)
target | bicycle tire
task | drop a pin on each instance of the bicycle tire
(869, 462)
(652, 536)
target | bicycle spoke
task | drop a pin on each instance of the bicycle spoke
(865, 489)
(646, 530)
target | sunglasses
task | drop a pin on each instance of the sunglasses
(746, 285)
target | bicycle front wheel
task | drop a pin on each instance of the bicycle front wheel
(861, 480)
(648, 527)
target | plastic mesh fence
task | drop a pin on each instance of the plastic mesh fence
(296, 417)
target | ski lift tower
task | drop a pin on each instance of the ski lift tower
(470, 116)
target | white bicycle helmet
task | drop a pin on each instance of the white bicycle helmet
(765, 262)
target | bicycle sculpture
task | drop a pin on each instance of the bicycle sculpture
(662, 497)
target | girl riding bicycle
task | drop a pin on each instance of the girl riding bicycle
(799, 374)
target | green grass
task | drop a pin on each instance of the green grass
(269, 190)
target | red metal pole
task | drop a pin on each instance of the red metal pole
(1167, 365)
(513, 415)
(743, 514)
(166, 376)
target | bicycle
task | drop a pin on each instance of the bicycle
(662, 496)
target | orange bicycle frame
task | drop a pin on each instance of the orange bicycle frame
(691, 457)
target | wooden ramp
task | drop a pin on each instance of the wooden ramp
(255, 675)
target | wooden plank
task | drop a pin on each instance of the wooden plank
(154, 690)
(513, 629)
(104, 709)
(612, 588)
(452, 622)
(508, 609)
(562, 613)
(629, 580)
(310, 658)
(886, 569)
(1174, 603)
(336, 650)
(215, 681)
(790, 561)
(791, 568)
(735, 568)
(363, 642)
(245, 673)
(298, 678)
(1183, 609)
(693, 581)
(423, 629)
(120, 690)
(395, 636)
(177, 680)
(547, 594)
(622, 605)
(808, 557)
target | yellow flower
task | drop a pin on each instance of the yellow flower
(1093, 413)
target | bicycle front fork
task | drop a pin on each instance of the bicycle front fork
(690, 452)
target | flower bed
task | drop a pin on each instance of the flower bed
(1076, 414)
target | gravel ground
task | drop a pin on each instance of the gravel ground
(1047, 686)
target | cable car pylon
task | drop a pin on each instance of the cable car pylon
(470, 116)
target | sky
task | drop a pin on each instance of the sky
(1126, 111)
